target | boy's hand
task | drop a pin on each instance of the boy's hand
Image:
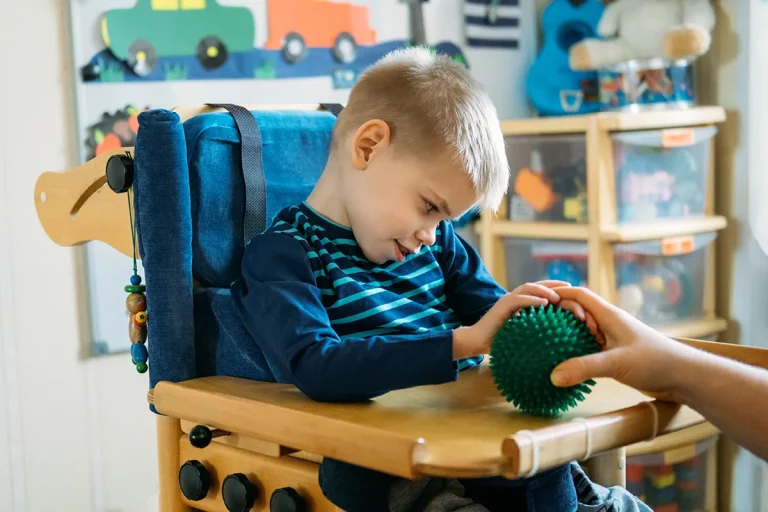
(634, 353)
(476, 339)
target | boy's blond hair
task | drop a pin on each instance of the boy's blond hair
(432, 103)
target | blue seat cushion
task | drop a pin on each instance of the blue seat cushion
(295, 146)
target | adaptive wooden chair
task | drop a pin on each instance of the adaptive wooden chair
(235, 443)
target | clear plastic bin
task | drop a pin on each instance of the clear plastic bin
(672, 486)
(661, 174)
(548, 179)
(660, 281)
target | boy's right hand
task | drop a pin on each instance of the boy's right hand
(634, 353)
(475, 340)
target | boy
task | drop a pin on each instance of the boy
(365, 288)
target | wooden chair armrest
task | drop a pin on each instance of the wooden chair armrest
(755, 356)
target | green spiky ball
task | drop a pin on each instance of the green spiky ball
(526, 350)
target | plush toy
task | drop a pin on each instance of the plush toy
(646, 29)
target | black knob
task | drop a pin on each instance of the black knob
(201, 436)
(287, 500)
(239, 493)
(120, 173)
(90, 72)
(194, 480)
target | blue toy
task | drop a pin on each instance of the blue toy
(553, 87)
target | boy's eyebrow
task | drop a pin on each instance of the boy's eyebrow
(442, 203)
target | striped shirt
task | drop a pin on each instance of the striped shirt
(342, 328)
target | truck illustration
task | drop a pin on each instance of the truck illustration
(295, 25)
(157, 29)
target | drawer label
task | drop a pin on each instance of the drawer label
(677, 138)
(675, 245)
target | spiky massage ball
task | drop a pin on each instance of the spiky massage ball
(526, 350)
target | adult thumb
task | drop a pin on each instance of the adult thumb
(577, 370)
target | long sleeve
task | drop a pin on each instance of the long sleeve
(280, 304)
(470, 289)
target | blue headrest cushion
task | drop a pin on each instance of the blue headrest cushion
(295, 146)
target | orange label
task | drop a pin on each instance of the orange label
(676, 138)
(677, 245)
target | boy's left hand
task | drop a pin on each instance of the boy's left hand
(480, 336)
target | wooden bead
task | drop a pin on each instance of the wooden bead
(140, 318)
(136, 302)
(135, 288)
(139, 353)
(137, 333)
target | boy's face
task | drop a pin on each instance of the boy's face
(395, 202)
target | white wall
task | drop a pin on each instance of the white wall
(85, 437)
(77, 436)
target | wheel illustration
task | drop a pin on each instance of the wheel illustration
(212, 53)
(142, 57)
(345, 48)
(294, 47)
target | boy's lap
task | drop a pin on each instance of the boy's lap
(562, 489)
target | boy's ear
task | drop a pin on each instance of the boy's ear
(371, 138)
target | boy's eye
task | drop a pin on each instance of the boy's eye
(430, 206)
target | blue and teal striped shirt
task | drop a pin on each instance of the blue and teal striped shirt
(342, 328)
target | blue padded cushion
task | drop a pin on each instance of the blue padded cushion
(295, 147)
(189, 201)
(164, 225)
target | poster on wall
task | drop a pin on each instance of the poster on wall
(158, 40)
(133, 55)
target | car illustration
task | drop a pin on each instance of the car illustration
(155, 29)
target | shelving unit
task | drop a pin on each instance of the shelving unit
(603, 231)
(690, 451)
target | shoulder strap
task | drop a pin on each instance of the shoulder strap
(333, 108)
(255, 217)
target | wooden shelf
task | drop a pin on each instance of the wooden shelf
(631, 232)
(674, 440)
(634, 232)
(694, 328)
(538, 230)
(614, 121)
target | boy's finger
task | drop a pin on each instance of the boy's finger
(538, 290)
(577, 370)
(551, 283)
(511, 304)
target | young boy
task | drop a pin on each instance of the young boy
(364, 288)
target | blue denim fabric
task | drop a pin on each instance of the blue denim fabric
(164, 224)
(548, 491)
(356, 489)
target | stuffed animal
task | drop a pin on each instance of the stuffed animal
(646, 29)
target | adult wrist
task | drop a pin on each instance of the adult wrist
(684, 368)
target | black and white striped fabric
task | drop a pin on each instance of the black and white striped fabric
(492, 23)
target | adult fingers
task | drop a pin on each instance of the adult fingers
(590, 301)
(578, 369)
(574, 307)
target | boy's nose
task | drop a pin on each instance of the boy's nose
(427, 236)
